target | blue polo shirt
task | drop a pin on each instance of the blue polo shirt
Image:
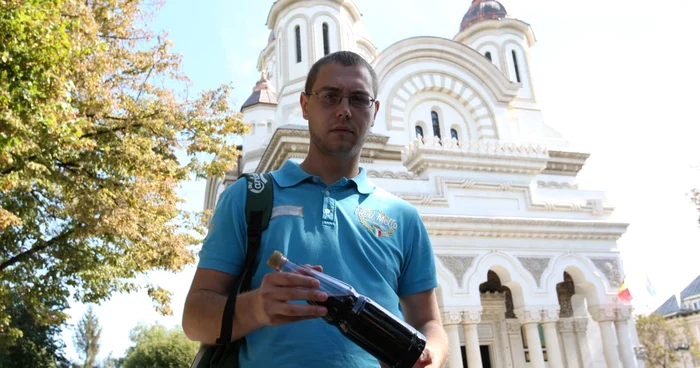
(360, 234)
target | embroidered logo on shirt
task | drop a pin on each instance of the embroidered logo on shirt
(257, 185)
(377, 222)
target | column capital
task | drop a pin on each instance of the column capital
(623, 313)
(513, 326)
(580, 324)
(451, 317)
(602, 313)
(566, 325)
(528, 315)
(550, 314)
(471, 316)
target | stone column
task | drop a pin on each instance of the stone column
(566, 328)
(580, 328)
(471, 320)
(516, 342)
(530, 319)
(551, 338)
(605, 316)
(622, 315)
(452, 320)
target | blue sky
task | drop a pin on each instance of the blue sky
(619, 79)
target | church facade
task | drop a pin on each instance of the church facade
(528, 263)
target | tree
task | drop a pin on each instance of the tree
(38, 344)
(93, 114)
(156, 346)
(660, 338)
(87, 338)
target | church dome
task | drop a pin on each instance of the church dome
(263, 93)
(483, 10)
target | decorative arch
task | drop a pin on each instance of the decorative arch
(467, 127)
(508, 269)
(586, 279)
(477, 106)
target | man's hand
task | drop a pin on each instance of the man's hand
(425, 360)
(270, 300)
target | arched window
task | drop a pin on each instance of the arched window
(488, 56)
(436, 124)
(419, 131)
(326, 47)
(297, 35)
(515, 65)
(453, 134)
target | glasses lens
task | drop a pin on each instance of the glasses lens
(329, 97)
(361, 101)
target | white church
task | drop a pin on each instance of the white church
(528, 264)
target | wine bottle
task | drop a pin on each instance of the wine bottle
(362, 320)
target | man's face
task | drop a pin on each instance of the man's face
(339, 130)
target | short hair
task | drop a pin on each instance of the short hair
(344, 58)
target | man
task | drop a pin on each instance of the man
(331, 215)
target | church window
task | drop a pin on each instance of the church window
(436, 124)
(515, 65)
(297, 35)
(419, 131)
(488, 56)
(453, 134)
(326, 48)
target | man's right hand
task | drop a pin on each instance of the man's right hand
(270, 300)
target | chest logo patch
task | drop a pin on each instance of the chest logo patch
(377, 222)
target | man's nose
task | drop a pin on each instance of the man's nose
(343, 108)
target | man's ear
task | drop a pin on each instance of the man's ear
(303, 101)
(376, 110)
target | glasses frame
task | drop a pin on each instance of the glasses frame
(342, 96)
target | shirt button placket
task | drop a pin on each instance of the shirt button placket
(328, 209)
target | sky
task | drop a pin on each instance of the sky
(619, 79)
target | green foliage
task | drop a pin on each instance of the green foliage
(37, 344)
(156, 346)
(93, 109)
(660, 337)
(87, 338)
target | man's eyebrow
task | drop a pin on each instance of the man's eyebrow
(336, 89)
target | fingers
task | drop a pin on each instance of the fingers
(290, 279)
(278, 288)
(318, 268)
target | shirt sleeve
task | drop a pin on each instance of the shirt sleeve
(224, 246)
(418, 272)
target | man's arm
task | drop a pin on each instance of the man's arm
(422, 312)
(201, 318)
(265, 306)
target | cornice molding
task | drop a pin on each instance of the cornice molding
(522, 228)
(565, 163)
(480, 156)
(439, 198)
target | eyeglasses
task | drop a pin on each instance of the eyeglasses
(333, 98)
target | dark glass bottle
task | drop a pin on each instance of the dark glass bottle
(362, 320)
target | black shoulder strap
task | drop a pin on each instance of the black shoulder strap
(258, 210)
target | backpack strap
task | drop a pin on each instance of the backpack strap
(258, 210)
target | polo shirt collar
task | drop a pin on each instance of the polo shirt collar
(290, 174)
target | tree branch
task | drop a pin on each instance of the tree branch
(37, 247)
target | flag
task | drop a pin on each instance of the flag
(624, 293)
(650, 287)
